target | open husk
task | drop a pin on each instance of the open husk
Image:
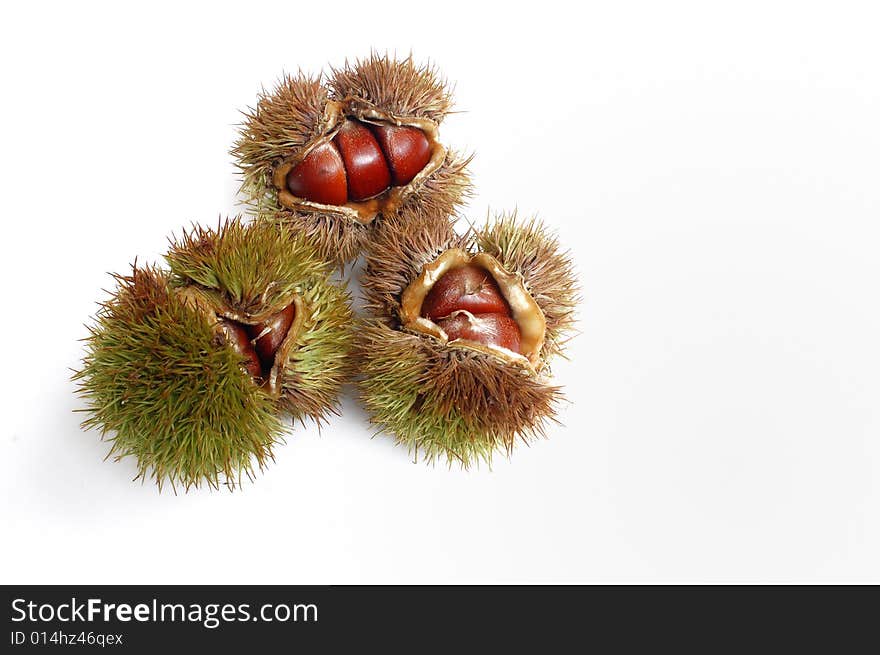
(452, 399)
(301, 114)
(164, 382)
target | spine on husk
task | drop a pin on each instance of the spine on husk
(190, 369)
(456, 372)
(335, 156)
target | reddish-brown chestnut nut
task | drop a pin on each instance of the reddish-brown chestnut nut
(484, 306)
(406, 149)
(365, 165)
(320, 177)
(489, 329)
(370, 159)
(259, 343)
(382, 159)
(237, 337)
(467, 303)
(270, 334)
(467, 288)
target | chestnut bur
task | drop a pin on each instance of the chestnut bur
(192, 368)
(337, 154)
(456, 363)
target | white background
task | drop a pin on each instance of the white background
(714, 169)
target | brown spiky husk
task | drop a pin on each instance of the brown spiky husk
(335, 238)
(396, 86)
(283, 122)
(531, 249)
(399, 248)
(441, 400)
(340, 240)
(292, 116)
(443, 192)
(444, 402)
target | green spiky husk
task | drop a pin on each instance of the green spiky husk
(321, 361)
(399, 87)
(442, 400)
(161, 387)
(255, 269)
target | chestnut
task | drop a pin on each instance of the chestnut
(469, 288)
(270, 334)
(488, 329)
(237, 337)
(320, 177)
(368, 173)
(407, 150)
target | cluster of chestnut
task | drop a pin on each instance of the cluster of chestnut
(190, 369)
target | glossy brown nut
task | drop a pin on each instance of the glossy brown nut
(238, 338)
(488, 329)
(268, 344)
(320, 177)
(368, 173)
(406, 149)
(469, 288)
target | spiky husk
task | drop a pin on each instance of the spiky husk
(336, 239)
(161, 387)
(443, 191)
(282, 123)
(448, 403)
(397, 86)
(255, 269)
(440, 400)
(292, 116)
(339, 240)
(532, 250)
(400, 247)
